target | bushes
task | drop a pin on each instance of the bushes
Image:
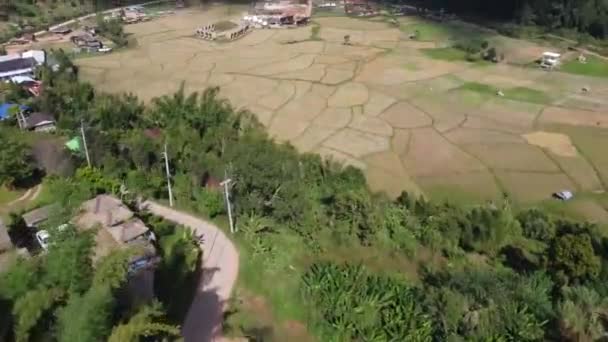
(356, 305)
(210, 202)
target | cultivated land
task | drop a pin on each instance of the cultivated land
(411, 119)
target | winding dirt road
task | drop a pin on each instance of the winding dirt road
(220, 265)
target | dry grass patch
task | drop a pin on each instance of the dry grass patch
(472, 187)
(581, 172)
(356, 143)
(385, 173)
(348, 95)
(431, 154)
(466, 136)
(400, 142)
(404, 115)
(558, 115)
(533, 186)
(516, 157)
(556, 143)
(591, 143)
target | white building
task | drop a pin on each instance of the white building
(21, 64)
(550, 60)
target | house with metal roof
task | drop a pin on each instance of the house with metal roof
(21, 64)
(6, 109)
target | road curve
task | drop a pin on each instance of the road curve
(220, 268)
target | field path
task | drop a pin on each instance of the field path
(220, 265)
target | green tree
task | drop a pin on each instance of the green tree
(16, 162)
(30, 308)
(573, 257)
(176, 276)
(68, 262)
(87, 317)
(21, 277)
(146, 323)
(536, 224)
(112, 270)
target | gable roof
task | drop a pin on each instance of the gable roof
(128, 230)
(106, 210)
(17, 64)
(36, 216)
(37, 119)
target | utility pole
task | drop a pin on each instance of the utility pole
(226, 184)
(84, 142)
(166, 156)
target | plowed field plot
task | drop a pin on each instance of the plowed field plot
(409, 121)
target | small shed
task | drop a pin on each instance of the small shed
(40, 122)
(33, 218)
(550, 59)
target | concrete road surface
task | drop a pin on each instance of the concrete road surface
(220, 264)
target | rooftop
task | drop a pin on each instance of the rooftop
(105, 210)
(37, 119)
(17, 64)
(37, 216)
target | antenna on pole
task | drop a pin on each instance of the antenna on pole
(226, 184)
(84, 142)
(166, 156)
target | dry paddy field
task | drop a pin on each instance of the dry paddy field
(410, 122)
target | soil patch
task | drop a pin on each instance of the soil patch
(559, 144)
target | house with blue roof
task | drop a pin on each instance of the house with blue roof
(7, 108)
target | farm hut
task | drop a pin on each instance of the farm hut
(550, 59)
(33, 218)
(39, 122)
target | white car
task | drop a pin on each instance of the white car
(43, 236)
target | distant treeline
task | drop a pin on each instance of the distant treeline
(587, 16)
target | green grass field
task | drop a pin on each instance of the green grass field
(522, 94)
(426, 31)
(595, 67)
(446, 54)
(430, 31)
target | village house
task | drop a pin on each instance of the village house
(119, 228)
(9, 109)
(37, 122)
(87, 41)
(21, 64)
(35, 217)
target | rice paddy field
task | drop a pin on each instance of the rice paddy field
(413, 114)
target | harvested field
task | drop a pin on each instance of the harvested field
(526, 187)
(409, 121)
(474, 187)
(516, 157)
(556, 143)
